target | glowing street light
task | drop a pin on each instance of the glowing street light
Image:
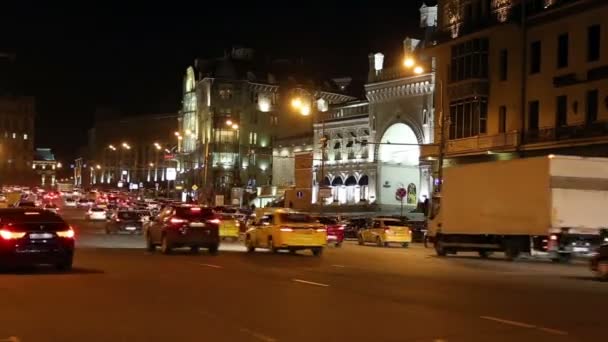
(151, 164)
(235, 126)
(418, 70)
(296, 103)
(98, 166)
(177, 134)
(59, 165)
(409, 62)
(179, 137)
(111, 147)
(229, 122)
(125, 145)
(305, 111)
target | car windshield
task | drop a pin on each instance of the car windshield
(394, 223)
(194, 213)
(127, 215)
(97, 209)
(327, 220)
(296, 218)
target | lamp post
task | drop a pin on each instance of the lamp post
(306, 108)
(410, 63)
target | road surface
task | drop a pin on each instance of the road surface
(119, 292)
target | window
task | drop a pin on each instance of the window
(469, 60)
(502, 119)
(561, 112)
(533, 108)
(592, 106)
(468, 117)
(253, 138)
(14, 135)
(24, 136)
(593, 43)
(535, 57)
(504, 64)
(562, 50)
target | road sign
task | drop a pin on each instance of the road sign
(400, 193)
(171, 174)
(194, 187)
(325, 192)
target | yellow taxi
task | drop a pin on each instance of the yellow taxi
(285, 229)
(229, 226)
(384, 231)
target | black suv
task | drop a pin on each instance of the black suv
(124, 221)
(180, 225)
(30, 236)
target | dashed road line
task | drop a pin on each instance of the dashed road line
(524, 325)
(257, 335)
(211, 265)
(339, 266)
(310, 282)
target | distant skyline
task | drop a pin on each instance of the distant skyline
(133, 59)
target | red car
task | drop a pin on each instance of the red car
(335, 230)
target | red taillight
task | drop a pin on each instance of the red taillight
(197, 209)
(320, 230)
(117, 220)
(175, 220)
(341, 228)
(215, 221)
(286, 229)
(553, 237)
(6, 234)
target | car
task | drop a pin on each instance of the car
(285, 229)
(229, 226)
(385, 231)
(31, 236)
(183, 226)
(69, 202)
(144, 215)
(335, 230)
(51, 207)
(353, 225)
(95, 214)
(124, 221)
(83, 203)
(599, 262)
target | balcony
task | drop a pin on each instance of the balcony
(551, 134)
(474, 145)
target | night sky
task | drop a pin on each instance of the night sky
(133, 58)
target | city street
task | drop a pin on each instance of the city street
(119, 292)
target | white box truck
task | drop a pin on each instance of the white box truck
(554, 205)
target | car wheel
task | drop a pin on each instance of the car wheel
(484, 254)
(64, 265)
(213, 249)
(271, 246)
(195, 249)
(405, 245)
(249, 244)
(439, 249)
(317, 251)
(338, 244)
(292, 251)
(360, 240)
(165, 247)
(378, 241)
(150, 247)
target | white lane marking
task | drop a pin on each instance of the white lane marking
(257, 335)
(524, 325)
(211, 265)
(310, 282)
(10, 339)
(339, 266)
(506, 321)
(553, 331)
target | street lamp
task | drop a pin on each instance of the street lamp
(111, 147)
(126, 146)
(151, 164)
(98, 167)
(59, 165)
(296, 103)
(409, 62)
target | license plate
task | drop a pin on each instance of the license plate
(130, 228)
(41, 236)
(580, 249)
(197, 224)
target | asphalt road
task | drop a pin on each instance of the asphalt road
(119, 292)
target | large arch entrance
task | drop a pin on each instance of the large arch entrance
(398, 165)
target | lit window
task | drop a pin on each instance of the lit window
(14, 135)
(24, 136)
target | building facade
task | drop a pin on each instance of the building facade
(45, 167)
(17, 114)
(231, 118)
(131, 150)
(521, 78)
